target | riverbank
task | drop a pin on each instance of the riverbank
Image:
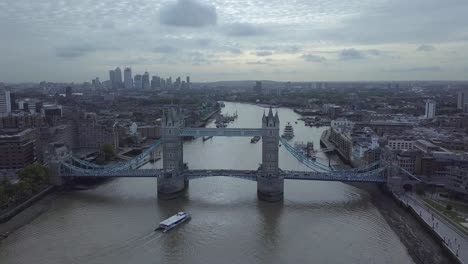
(28, 214)
(421, 245)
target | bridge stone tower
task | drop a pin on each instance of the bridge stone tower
(171, 182)
(270, 182)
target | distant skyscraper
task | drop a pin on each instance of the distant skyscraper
(188, 82)
(430, 109)
(138, 81)
(146, 81)
(68, 92)
(96, 83)
(258, 87)
(128, 81)
(169, 83)
(462, 99)
(155, 82)
(5, 101)
(112, 77)
(177, 83)
(163, 84)
(117, 78)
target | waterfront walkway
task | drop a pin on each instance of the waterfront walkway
(454, 239)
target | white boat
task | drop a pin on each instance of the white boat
(173, 221)
(288, 132)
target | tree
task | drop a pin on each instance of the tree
(108, 151)
(448, 207)
(36, 173)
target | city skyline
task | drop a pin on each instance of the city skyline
(223, 40)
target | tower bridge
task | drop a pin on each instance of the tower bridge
(173, 178)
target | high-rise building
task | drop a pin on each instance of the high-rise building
(138, 81)
(163, 84)
(462, 99)
(128, 81)
(5, 101)
(96, 83)
(169, 83)
(188, 82)
(112, 78)
(177, 83)
(155, 83)
(117, 78)
(146, 81)
(430, 109)
(258, 87)
(68, 92)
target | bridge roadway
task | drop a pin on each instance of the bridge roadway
(221, 132)
(240, 174)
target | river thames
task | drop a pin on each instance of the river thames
(318, 222)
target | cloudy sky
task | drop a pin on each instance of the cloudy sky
(297, 40)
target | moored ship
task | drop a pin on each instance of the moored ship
(288, 132)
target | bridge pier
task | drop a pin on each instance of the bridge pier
(172, 182)
(171, 185)
(270, 183)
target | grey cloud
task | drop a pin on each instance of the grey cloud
(256, 63)
(263, 53)
(74, 51)
(402, 21)
(354, 54)
(313, 58)
(351, 54)
(188, 13)
(203, 42)
(374, 52)
(165, 49)
(292, 49)
(425, 48)
(417, 69)
(235, 51)
(243, 30)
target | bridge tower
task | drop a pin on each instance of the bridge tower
(171, 182)
(270, 182)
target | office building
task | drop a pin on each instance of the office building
(462, 99)
(128, 81)
(155, 83)
(138, 81)
(117, 78)
(111, 77)
(258, 87)
(17, 148)
(5, 101)
(68, 92)
(146, 81)
(169, 83)
(430, 109)
(188, 82)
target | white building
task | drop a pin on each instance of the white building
(5, 101)
(430, 109)
(128, 81)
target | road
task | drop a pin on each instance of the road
(455, 240)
